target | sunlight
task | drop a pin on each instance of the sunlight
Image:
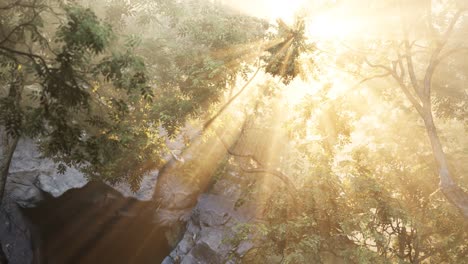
(284, 9)
(270, 10)
(331, 26)
(297, 89)
(243, 131)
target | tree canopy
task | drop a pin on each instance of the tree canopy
(352, 138)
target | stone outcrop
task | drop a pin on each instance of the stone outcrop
(211, 226)
(213, 223)
(186, 176)
(97, 224)
(32, 179)
(16, 239)
(31, 175)
(207, 217)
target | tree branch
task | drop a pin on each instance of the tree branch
(410, 66)
(402, 68)
(371, 78)
(435, 60)
(451, 52)
(29, 55)
(29, 23)
(231, 100)
(292, 190)
(401, 83)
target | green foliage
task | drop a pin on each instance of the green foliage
(83, 30)
(364, 195)
(86, 102)
(126, 71)
(11, 116)
(99, 102)
(95, 103)
(283, 59)
(201, 49)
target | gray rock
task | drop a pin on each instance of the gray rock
(212, 222)
(189, 259)
(145, 193)
(244, 247)
(21, 187)
(167, 260)
(30, 175)
(15, 234)
(56, 184)
(203, 253)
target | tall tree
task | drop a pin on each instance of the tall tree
(50, 89)
(410, 55)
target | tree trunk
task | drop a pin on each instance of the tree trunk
(455, 194)
(8, 141)
(7, 148)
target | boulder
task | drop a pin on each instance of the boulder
(211, 224)
(16, 237)
(31, 174)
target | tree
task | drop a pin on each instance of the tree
(362, 187)
(416, 81)
(83, 91)
(51, 89)
(369, 199)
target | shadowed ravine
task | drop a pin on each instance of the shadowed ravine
(96, 224)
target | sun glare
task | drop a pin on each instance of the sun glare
(328, 26)
(269, 9)
(284, 9)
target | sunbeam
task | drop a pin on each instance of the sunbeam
(233, 131)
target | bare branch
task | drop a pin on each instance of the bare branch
(31, 56)
(18, 27)
(231, 100)
(402, 68)
(292, 190)
(401, 83)
(410, 66)
(284, 178)
(452, 51)
(435, 60)
(371, 78)
(233, 153)
(452, 24)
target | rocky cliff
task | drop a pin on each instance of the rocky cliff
(199, 232)
(212, 225)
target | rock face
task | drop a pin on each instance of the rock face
(208, 226)
(145, 193)
(212, 224)
(184, 178)
(16, 241)
(31, 175)
(97, 224)
(33, 179)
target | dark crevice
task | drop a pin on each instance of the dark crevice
(96, 224)
(3, 259)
